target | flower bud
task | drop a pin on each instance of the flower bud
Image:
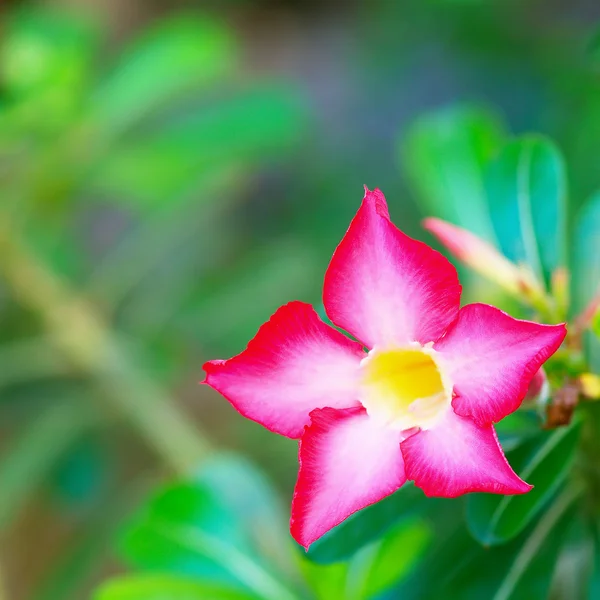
(483, 258)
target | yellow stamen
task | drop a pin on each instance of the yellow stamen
(404, 387)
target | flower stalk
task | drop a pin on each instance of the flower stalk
(79, 333)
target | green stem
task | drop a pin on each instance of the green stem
(79, 333)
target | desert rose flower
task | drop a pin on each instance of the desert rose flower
(419, 404)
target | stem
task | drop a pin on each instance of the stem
(79, 333)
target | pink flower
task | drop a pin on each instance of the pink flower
(419, 405)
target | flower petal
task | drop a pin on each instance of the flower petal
(386, 288)
(491, 359)
(347, 461)
(457, 457)
(294, 364)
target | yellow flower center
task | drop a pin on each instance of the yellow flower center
(404, 387)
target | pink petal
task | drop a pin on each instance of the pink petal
(347, 461)
(294, 364)
(386, 288)
(491, 358)
(457, 457)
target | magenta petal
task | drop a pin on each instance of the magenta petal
(347, 461)
(491, 358)
(457, 457)
(294, 364)
(386, 288)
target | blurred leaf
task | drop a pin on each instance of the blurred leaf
(146, 545)
(248, 293)
(45, 65)
(517, 428)
(68, 575)
(326, 581)
(377, 568)
(176, 56)
(459, 567)
(29, 360)
(163, 167)
(253, 505)
(526, 190)
(367, 525)
(31, 457)
(594, 582)
(596, 324)
(534, 546)
(80, 476)
(594, 48)
(166, 587)
(543, 462)
(585, 268)
(197, 529)
(156, 240)
(56, 246)
(373, 568)
(574, 567)
(44, 49)
(444, 156)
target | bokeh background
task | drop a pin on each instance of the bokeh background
(170, 174)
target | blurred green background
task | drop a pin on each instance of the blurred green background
(170, 174)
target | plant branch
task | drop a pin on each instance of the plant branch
(80, 334)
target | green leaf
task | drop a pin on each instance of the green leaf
(164, 166)
(369, 524)
(377, 568)
(46, 58)
(594, 48)
(444, 156)
(247, 293)
(596, 324)
(326, 581)
(214, 527)
(574, 568)
(526, 190)
(517, 428)
(68, 573)
(36, 450)
(178, 55)
(459, 567)
(534, 547)
(45, 50)
(166, 587)
(56, 245)
(594, 581)
(585, 268)
(253, 505)
(544, 462)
